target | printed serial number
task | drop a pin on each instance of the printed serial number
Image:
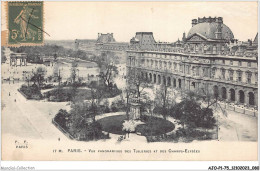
(233, 168)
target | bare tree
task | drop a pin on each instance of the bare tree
(137, 82)
(108, 69)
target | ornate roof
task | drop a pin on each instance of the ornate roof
(105, 38)
(208, 30)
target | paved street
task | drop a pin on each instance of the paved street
(238, 127)
(24, 118)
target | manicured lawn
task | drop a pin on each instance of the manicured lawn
(153, 126)
(113, 124)
(65, 94)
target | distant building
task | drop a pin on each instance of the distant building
(107, 42)
(208, 59)
(18, 59)
(105, 38)
(103, 43)
(48, 60)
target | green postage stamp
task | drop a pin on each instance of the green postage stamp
(25, 23)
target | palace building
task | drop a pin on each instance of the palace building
(209, 58)
(107, 43)
(104, 43)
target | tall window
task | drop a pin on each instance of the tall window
(180, 67)
(223, 71)
(188, 69)
(205, 47)
(240, 63)
(196, 48)
(239, 76)
(214, 49)
(213, 72)
(197, 71)
(223, 61)
(205, 72)
(249, 64)
(249, 75)
(143, 62)
(231, 73)
(231, 62)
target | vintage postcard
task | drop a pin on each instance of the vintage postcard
(129, 81)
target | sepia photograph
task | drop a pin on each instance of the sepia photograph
(129, 81)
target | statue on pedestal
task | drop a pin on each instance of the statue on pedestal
(135, 108)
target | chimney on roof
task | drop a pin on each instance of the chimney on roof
(183, 37)
(218, 33)
(194, 22)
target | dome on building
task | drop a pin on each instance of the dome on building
(208, 30)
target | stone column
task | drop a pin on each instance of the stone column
(228, 94)
(256, 98)
(246, 97)
(236, 96)
(188, 84)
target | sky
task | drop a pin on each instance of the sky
(167, 20)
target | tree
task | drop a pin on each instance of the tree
(73, 75)
(136, 85)
(128, 94)
(136, 82)
(38, 76)
(79, 115)
(108, 69)
(96, 98)
(164, 99)
(190, 113)
(27, 76)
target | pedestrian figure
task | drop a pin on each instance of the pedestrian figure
(9, 93)
(58, 139)
(14, 100)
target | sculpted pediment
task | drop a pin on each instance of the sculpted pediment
(196, 37)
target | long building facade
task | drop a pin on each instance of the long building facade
(208, 59)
